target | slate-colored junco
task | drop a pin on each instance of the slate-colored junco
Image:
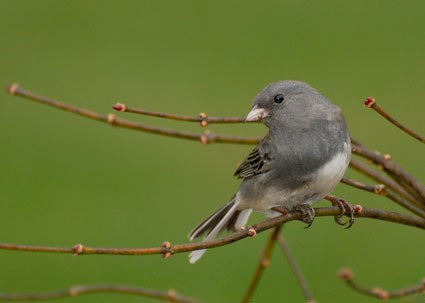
(300, 160)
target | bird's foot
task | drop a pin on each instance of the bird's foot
(346, 209)
(307, 213)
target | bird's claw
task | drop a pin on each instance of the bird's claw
(307, 213)
(346, 209)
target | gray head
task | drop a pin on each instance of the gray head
(291, 102)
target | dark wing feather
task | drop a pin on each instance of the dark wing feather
(257, 162)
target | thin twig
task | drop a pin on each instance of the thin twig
(371, 103)
(205, 138)
(381, 190)
(202, 118)
(262, 264)
(361, 212)
(347, 276)
(388, 182)
(77, 290)
(296, 269)
(406, 180)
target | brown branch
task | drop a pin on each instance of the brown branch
(388, 182)
(406, 180)
(202, 118)
(370, 102)
(205, 138)
(77, 290)
(347, 276)
(296, 269)
(262, 264)
(361, 212)
(381, 190)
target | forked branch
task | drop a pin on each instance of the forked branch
(398, 186)
(205, 138)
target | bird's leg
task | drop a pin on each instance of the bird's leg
(307, 213)
(280, 210)
(345, 207)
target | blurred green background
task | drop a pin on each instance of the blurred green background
(65, 179)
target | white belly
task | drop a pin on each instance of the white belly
(329, 175)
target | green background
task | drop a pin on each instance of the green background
(65, 179)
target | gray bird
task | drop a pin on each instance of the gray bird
(300, 160)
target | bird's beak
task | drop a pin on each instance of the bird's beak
(256, 114)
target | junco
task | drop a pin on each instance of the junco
(300, 160)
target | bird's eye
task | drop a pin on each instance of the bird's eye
(279, 98)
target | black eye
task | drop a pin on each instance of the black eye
(279, 98)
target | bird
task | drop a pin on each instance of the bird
(300, 160)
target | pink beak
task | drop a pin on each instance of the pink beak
(256, 114)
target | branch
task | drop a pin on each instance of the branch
(381, 190)
(390, 183)
(205, 138)
(346, 275)
(296, 269)
(77, 290)
(202, 118)
(394, 170)
(264, 262)
(370, 102)
(167, 249)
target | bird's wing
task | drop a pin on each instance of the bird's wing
(258, 162)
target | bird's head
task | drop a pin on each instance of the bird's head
(282, 101)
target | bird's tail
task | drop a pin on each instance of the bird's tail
(227, 217)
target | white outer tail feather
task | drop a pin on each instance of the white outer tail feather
(243, 218)
(197, 254)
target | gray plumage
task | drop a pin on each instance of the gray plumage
(300, 160)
